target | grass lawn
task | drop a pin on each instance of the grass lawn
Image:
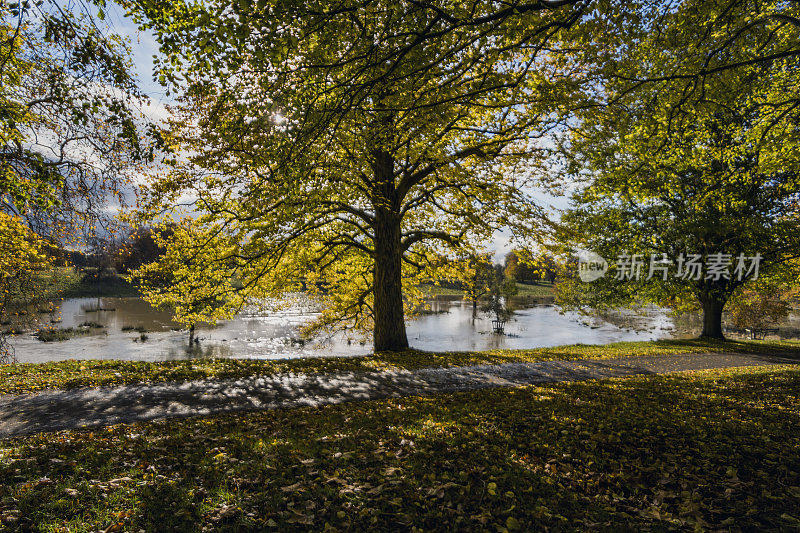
(64, 282)
(544, 290)
(110, 287)
(30, 377)
(707, 450)
(523, 289)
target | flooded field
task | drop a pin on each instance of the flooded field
(132, 329)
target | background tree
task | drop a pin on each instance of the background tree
(545, 268)
(71, 135)
(347, 147)
(761, 307)
(670, 171)
(516, 270)
(139, 247)
(531, 266)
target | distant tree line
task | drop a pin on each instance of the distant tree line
(120, 254)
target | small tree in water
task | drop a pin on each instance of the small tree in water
(501, 289)
(476, 274)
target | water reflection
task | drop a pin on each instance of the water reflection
(450, 326)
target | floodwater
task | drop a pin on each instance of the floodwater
(272, 335)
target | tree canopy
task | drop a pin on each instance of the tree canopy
(71, 128)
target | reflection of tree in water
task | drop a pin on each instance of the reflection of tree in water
(198, 351)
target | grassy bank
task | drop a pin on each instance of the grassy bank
(108, 287)
(544, 290)
(711, 450)
(29, 377)
(65, 282)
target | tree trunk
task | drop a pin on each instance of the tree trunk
(389, 332)
(712, 316)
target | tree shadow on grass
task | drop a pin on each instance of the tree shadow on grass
(651, 452)
(90, 407)
(56, 410)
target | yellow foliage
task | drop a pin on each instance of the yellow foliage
(20, 249)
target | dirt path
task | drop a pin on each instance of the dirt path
(55, 410)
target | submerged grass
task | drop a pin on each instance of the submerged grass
(138, 329)
(30, 377)
(714, 450)
(59, 334)
(64, 334)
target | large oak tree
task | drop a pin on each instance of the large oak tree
(343, 147)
